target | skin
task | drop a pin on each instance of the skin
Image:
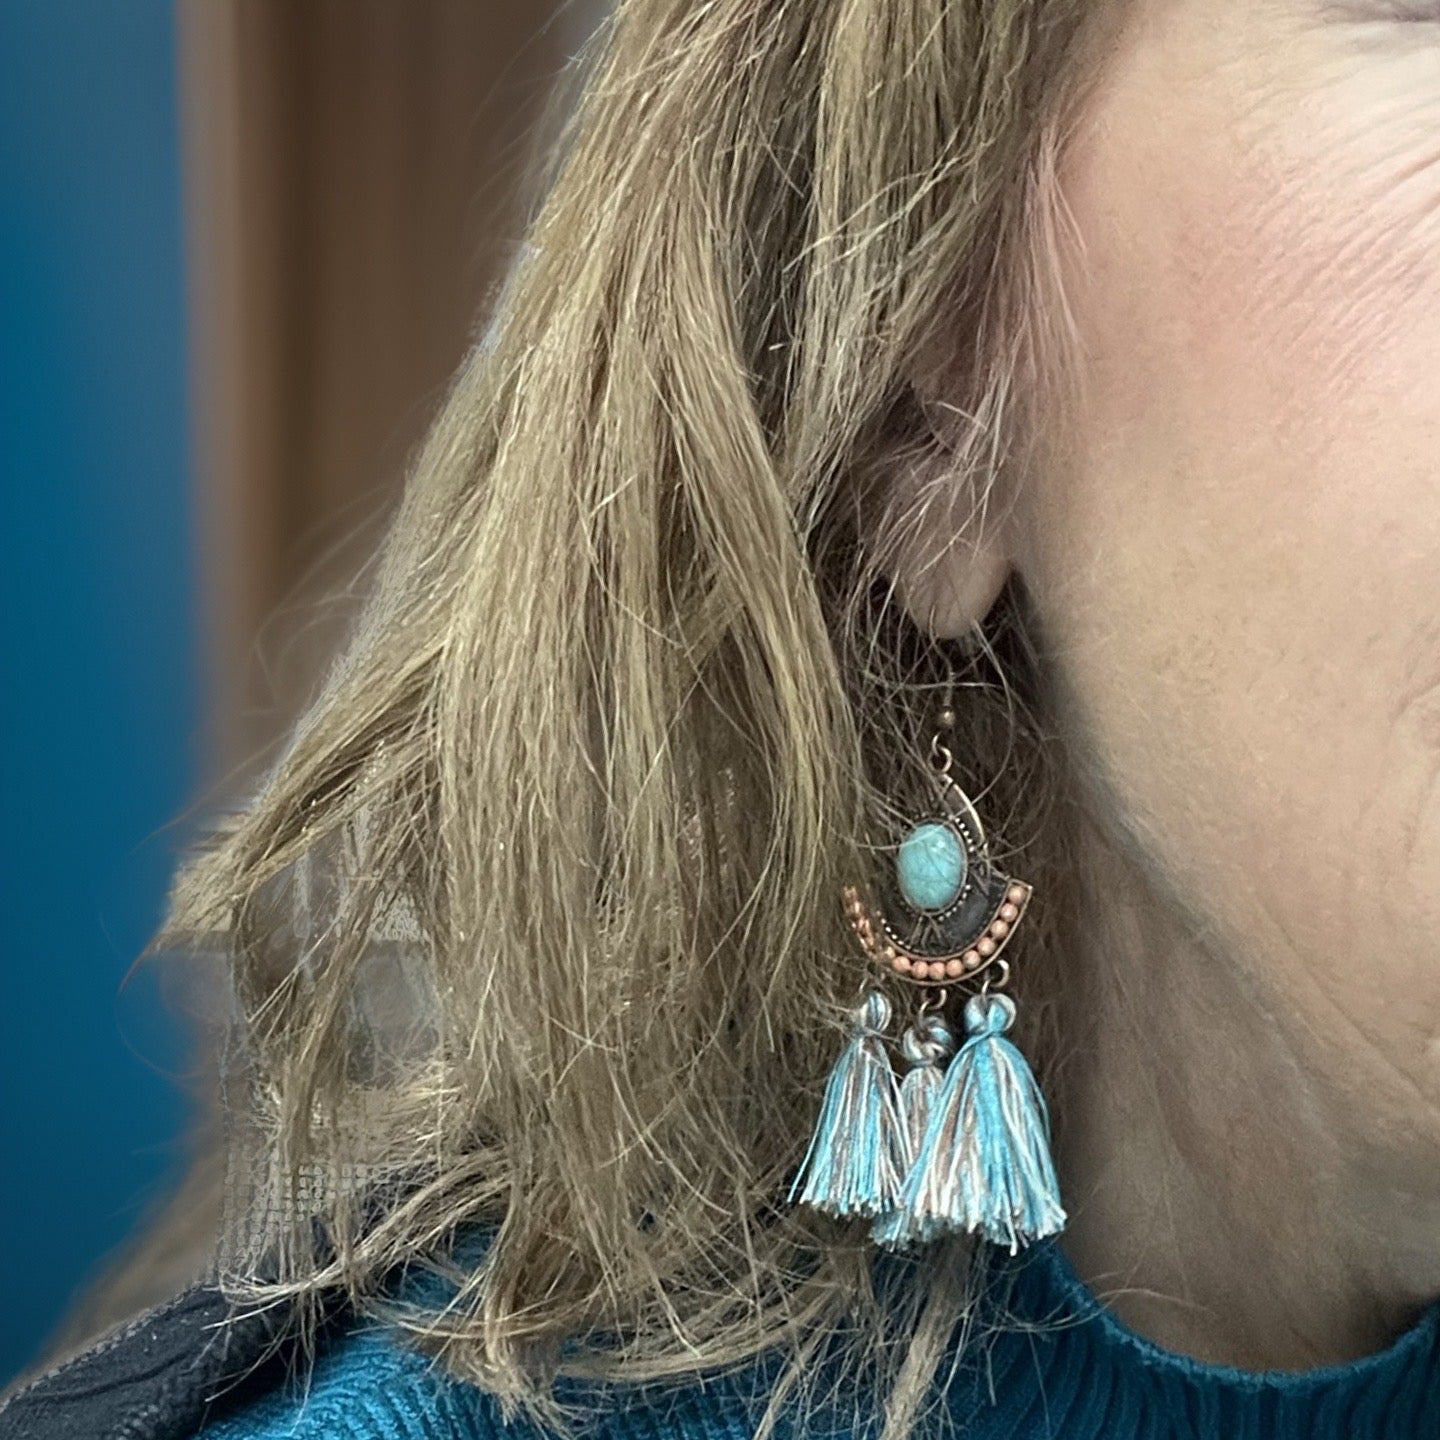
(1234, 548)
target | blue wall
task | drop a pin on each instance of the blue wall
(98, 667)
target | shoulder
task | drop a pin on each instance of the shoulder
(362, 1385)
(197, 1369)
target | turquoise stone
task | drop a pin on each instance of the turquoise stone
(930, 866)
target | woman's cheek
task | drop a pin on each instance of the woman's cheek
(1247, 592)
(1340, 194)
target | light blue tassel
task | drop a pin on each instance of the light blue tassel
(984, 1163)
(927, 1045)
(851, 1168)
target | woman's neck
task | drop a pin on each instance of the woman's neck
(1226, 1200)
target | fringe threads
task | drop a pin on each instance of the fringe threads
(927, 1045)
(965, 1149)
(851, 1169)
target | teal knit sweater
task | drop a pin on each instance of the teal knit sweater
(1063, 1368)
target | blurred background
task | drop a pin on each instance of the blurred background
(243, 245)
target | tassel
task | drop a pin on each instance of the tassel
(851, 1167)
(927, 1045)
(984, 1163)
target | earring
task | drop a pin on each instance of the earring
(962, 1147)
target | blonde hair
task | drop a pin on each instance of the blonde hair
(535, 922)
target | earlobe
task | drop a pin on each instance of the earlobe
(950, 594)
(946, 551)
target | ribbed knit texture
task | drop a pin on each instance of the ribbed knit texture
(1065, 1368)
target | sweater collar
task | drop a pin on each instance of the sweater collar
(1054, 1348)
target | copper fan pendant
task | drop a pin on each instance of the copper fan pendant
(940, 910)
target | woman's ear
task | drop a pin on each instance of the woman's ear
(946, 543)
